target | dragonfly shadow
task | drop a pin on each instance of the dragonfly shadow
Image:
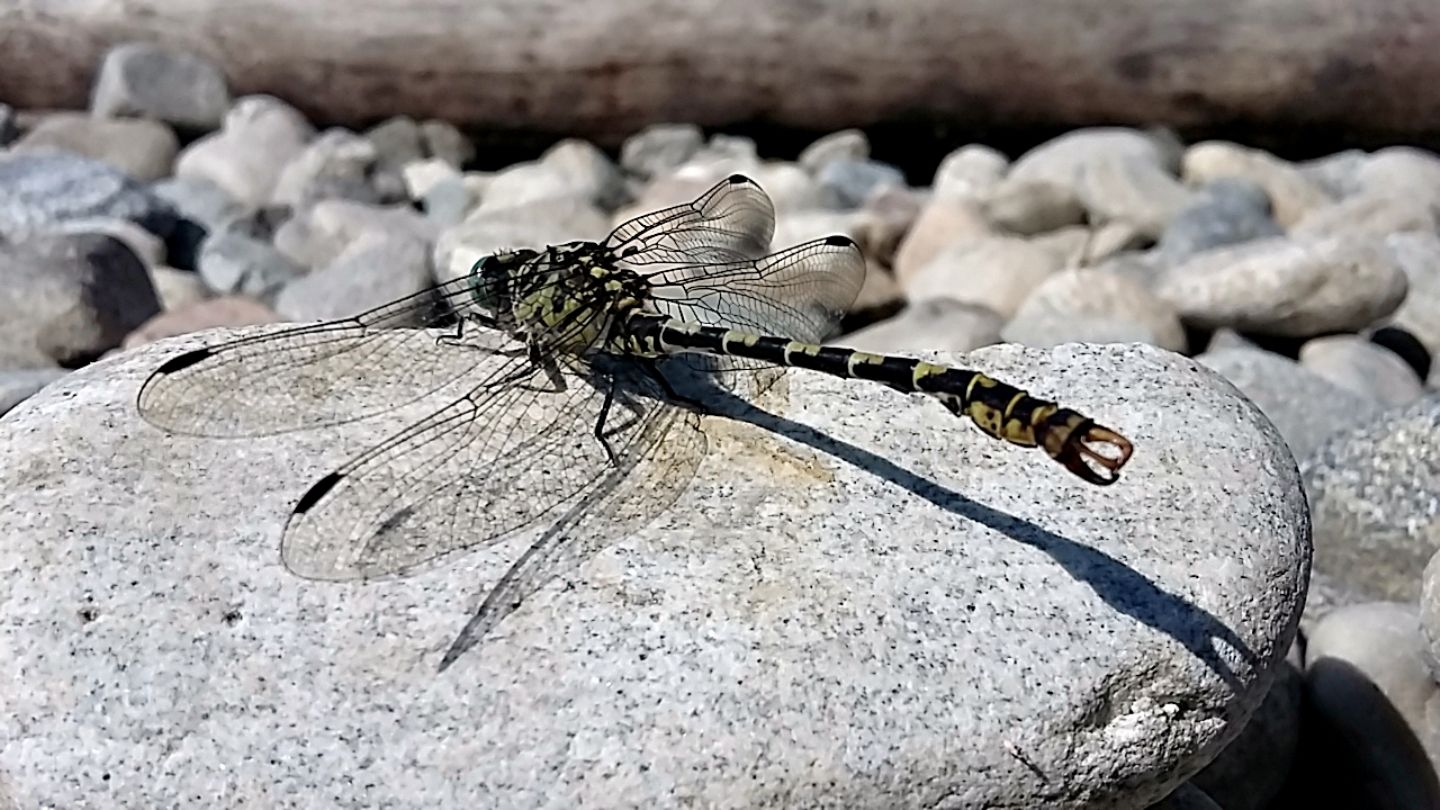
(1122, 587)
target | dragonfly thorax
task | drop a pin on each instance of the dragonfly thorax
(569, 297)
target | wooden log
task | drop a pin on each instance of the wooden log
(605, 68)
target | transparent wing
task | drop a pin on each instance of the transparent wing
(515, 451)
(310, 376)
(733, 221)
(799, 293)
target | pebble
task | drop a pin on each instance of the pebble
(200, 201)
(18, 386)
(44, 190)
(1401, 171)
(934, 324)
(144, 150)
(1375, 500)
(149, 80)
(534, 225)
(848, 182)
(970, 172)
(790, 187)
(1085, 305)
(1418, 255)
(1287, 287)
(177, 288)
(660, 149)
(445, 141)
(69, 299)
(1356, 364)
(1292, 193)
(883, 221)
(397, 142)
(847, 144)
(148, 247)
(998, 272)
(572, 169)
(942, 222)
(1187, 797)
(1028, 207)
(225, 311)
(1305, 407)
(234, 262)
(1373, 698)
(966, 623)
(1067, 158)
(337, 163)
(1373, 214)
(374, 270)
(316, 236)
(1135, 191)
(1227, 211)
(261, 135)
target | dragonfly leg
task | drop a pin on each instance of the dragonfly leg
(600, 423)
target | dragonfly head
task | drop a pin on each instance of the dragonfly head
(493, 277)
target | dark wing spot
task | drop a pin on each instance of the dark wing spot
(738, 180)
(839, 240)
(317, 492)
(183, 361)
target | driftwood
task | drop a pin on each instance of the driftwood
(603, 68)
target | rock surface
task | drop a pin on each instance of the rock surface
(897, 612)
(1304, 406)
(1375, 497)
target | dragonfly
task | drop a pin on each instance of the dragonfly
(553, 372)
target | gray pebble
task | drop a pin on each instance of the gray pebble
(847, 144)
(1253, 768)
(935, 324)
(1027, 207)
(69, 299)
(1375, 500)
(1356, 364)
(1228, 211)
(849, 182)
(1305, 407)
(156, 81)
(1287, 287)
(660, 149)
(444, 141)
(374, 270)
(1094, 306)
(142, 149)
(43, 190)
(337, 163)
(232, 261)
(262, 134)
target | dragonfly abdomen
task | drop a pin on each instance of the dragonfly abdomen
(1000, 410)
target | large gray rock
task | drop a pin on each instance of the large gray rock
(142, 149)
(1375, 496)
(860, 602)
(262, 134)
(374, 270)
(1288, 287)
(47, 188)
(68, 299)
(1305, 407)
(155, 81)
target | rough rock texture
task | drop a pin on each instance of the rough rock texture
(842, 609)
(1375, 495)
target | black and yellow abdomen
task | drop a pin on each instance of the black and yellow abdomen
(999, 409)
